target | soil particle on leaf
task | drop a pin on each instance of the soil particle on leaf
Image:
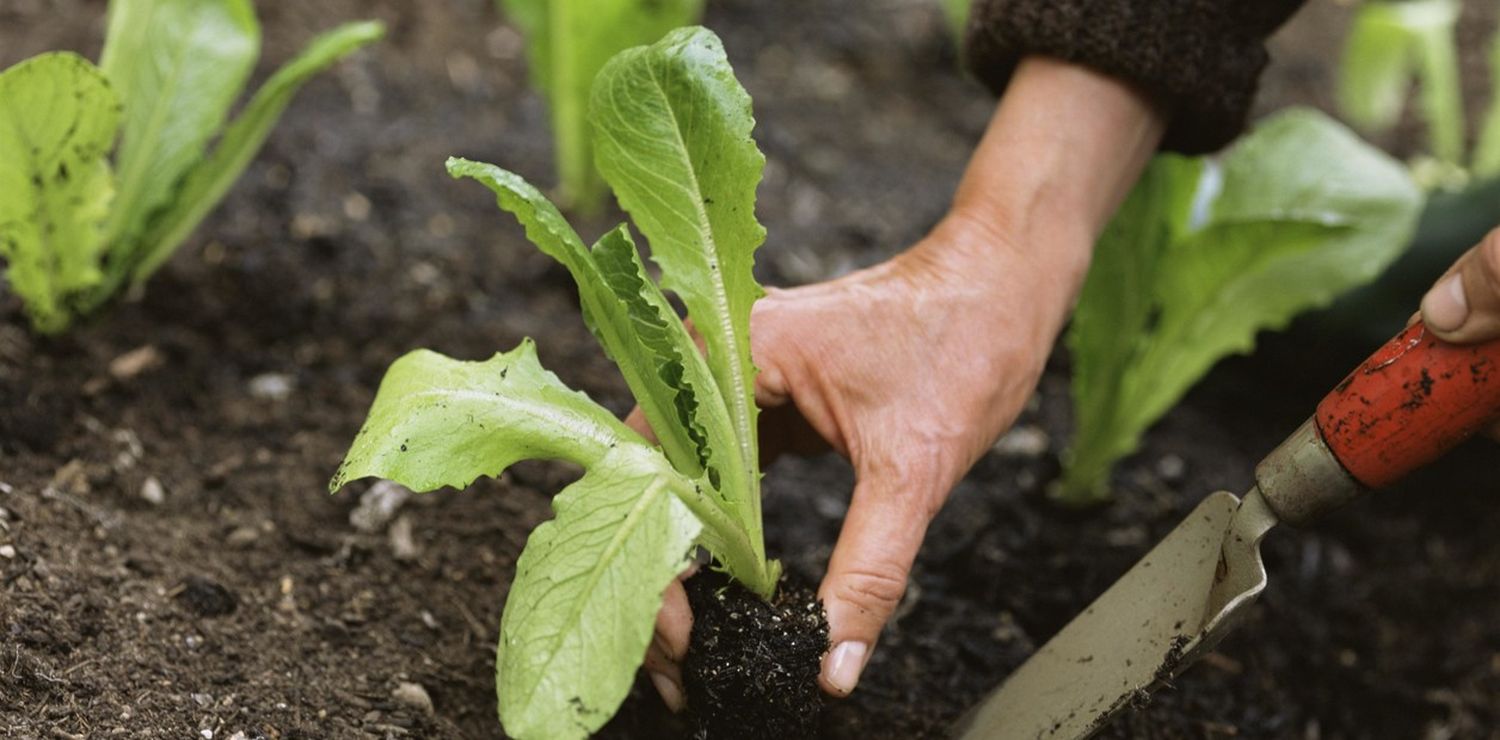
(752, 667)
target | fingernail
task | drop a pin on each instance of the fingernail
(844, 664)
(1445, 307)
(670, 693)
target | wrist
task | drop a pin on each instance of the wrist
(1061, 152)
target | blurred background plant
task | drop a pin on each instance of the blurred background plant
(567, 43)
(1401, 58)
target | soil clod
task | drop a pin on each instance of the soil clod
(206, 598)
(752, 667)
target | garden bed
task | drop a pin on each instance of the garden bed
(174, 564)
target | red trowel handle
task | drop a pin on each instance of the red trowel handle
(1411, 402)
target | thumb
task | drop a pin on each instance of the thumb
(867, 574)
(1464, 305)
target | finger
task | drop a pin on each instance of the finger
(1464, 305)
(666, 678)
(867, 575)
(674, 623)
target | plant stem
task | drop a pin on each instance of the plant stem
(730, 542)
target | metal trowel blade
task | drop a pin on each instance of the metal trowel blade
(1173, 606)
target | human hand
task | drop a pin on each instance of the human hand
(914, 367)
(1464, 306)
(911, 369)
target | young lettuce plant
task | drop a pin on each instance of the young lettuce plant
(1391, 46)
(672, 136)
(568, 42)
(1204, 254)
(76, 231)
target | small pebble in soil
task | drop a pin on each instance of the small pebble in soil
(403, 545)
(1171, 468)
(272, 386)
(752, 668)
(206, 598)
(1024, 442)
(378, 506)
(7, 551)
(413, 696)
(135, 362)
(153, 492)
(242, 537)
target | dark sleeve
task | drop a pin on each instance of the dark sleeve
(1202, 57)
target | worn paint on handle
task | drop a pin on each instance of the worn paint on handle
(1411, 402)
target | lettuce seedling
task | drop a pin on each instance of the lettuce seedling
(76, 231)
(568, 42)
(671, 132)
(1393, 45)
(1204, 254)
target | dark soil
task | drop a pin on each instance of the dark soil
(171, 563)
(752, 668)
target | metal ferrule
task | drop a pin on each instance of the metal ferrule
(1302, 479)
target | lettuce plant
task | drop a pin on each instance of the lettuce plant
(672, 136)
(568, 42)
(1391, 46)
(1204, 254)
(76, 231)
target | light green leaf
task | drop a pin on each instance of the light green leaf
(1393, 43)
(667, 352)
(58, 119)
(177, 65)
(1487, 151)
(1376, 70)
(649, 343)
(606, 315)
(1115, 314)
(210, 178)
(583, 605)
(956, 13)
(1300, 212)
(568, 42)
(672, 137)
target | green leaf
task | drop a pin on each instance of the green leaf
(210, 178)
(956, 14)
(1487, 151)
(58, 119)
(662, 367)
(672, 136)
(178, 65)
(1389, 45)
(568, 42)
(1377, 68)
(1299, 212)
(583, 605)
(607, 317)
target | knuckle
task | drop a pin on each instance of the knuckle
(877, 588)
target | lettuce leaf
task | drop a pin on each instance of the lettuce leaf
(580, 612)
(568, 42)
(55, 184)
(672, 137)
(590, 581)
(178, 65)
(1203, 255)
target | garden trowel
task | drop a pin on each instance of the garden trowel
(1407, 405)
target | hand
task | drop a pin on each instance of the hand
(914, 367)
(1464, 306)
